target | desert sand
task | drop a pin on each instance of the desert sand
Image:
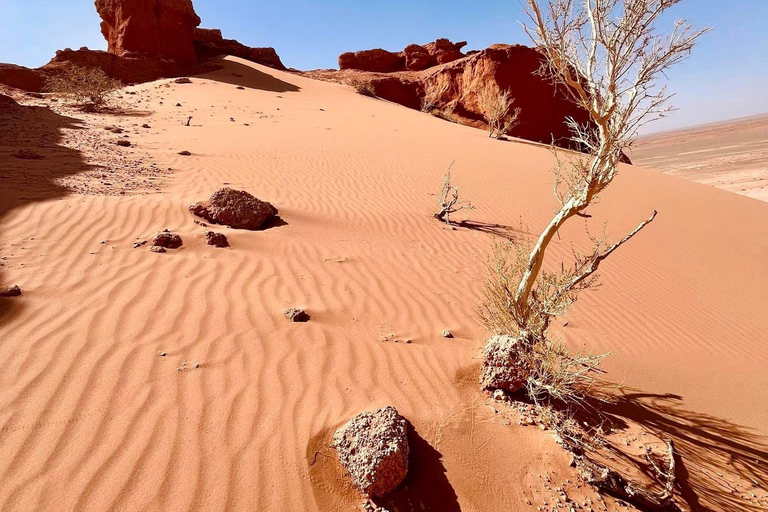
(93, 418)
(730, 155)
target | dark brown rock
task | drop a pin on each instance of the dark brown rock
(210, 43)
(167, 239)
(216, 239)
(235, 208)
(296, 315)
(10, 291)
(373, 447)
(378, 60)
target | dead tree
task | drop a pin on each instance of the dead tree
(448, 200)
(609, 57)
(497, 108)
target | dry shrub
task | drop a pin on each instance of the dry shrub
(552, 371)
(366, 89)
(496, 105)
(448, 200)
(86, 86)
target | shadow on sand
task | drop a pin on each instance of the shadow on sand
(242, 75)
(32, 178)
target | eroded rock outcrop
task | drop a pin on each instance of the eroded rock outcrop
(209, 43)
(373, 448)
(502, 366)
(413, 58)
(147, 40)
(432, 78)
(160, 28)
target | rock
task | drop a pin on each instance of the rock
(146, 126)
(158, 28)
(183, 80)
(156, 248)
(502, 368)
(185, 153)
(138, 244)
(296, 315)
(447, 334)
(235, 208)
(123, 143)
(10, 291)
(216, 239)
(21, 77)
(373, 448)
(167, 240)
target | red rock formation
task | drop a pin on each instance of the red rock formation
(453, 88)
(413, 58)
(210, 43)
(160, 28)
(20, 77)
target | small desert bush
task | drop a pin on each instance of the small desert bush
(552, 371)
(448, 200)
(366, 89)
(86, 86)
(496, 105)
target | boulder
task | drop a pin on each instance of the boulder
(418, 58)
(10, 291)
(161, 28)
(373, 448)
(444, 51)
(216, 239)
(167, 240)
(235, 208)
(502, 367)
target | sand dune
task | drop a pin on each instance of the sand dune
(93, 418)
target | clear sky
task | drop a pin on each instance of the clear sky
(726, 77)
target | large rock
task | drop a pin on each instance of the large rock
(373, 447)
(162, 28)
(235, 208)
(22, 78)
(503, 368)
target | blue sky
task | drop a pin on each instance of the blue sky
(726, 77)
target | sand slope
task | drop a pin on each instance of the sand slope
(92, 418)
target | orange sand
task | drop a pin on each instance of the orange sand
(93, 419)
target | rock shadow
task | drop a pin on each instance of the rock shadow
(426, 487)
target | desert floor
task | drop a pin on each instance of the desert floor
(92, 418)
(731, 155)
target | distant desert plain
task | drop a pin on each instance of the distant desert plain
(732, 155)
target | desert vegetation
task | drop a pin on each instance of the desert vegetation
(497, 105)
(609, 57)
(448, 200)
(90, 87)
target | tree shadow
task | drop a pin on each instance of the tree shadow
(426, 487)
(718, 457)
(31, 176)
(242, 75)
(499, 230)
